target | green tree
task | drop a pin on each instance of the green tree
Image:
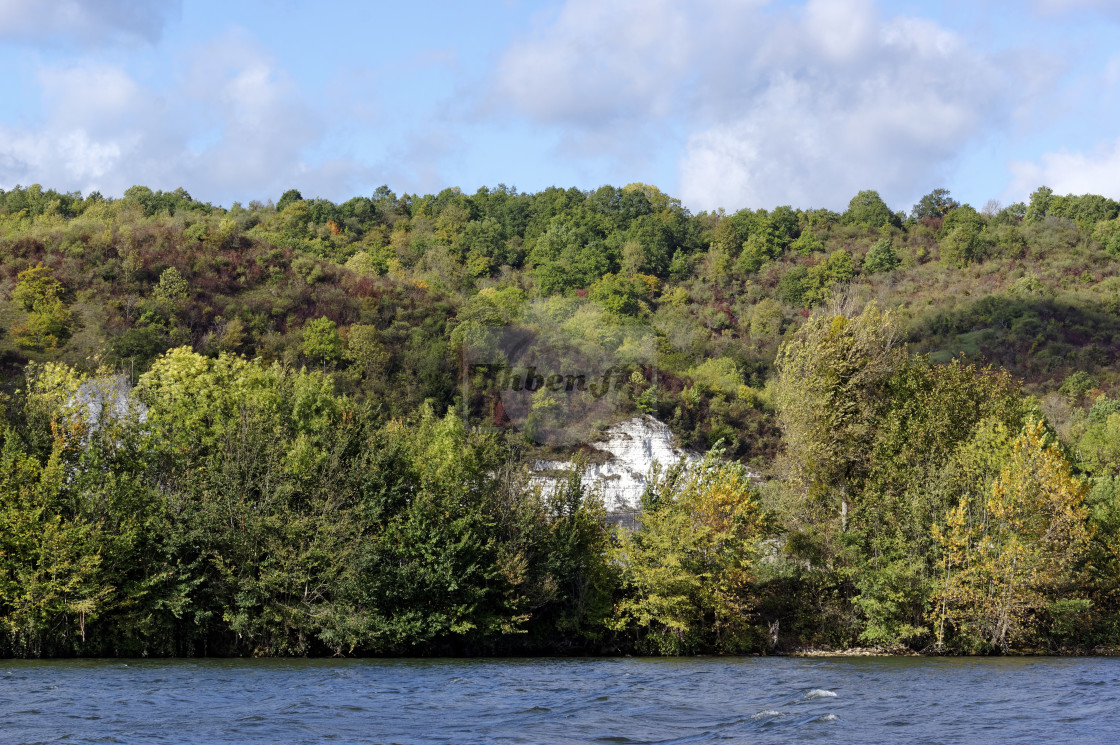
(619, 295)
(365, 349)
(937, 203)
(869, 210)
(48, 321)
(761, 246)
(172, 288)
(1008, 554)
(35, 285)
(288, 197)
(321, 341)
(766, 319)
(923, 462)
(1098, 447)
(431, 570)
(881, 257)
(561, 537)
(831, 387)
(792, 285)
(1039, 207)
(820, 279)
(963, 241)
(51, 580)
(807, 243)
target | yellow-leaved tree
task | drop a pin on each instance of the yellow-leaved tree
(48, 321)
(1008, 554)
(687, 573)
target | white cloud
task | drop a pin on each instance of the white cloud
(100, 99)
(598, 61)
(821, 120)
(842, 30)
(231, 126)
(264, 125)
(1071, 172)
(87, 131)
(85, 162)
(85, 21)
(805, 104)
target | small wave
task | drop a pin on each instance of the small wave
(827, 718)
(767, 714)
(820, 693)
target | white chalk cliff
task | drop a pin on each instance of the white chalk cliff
(622, 463)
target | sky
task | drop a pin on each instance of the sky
(721, 103)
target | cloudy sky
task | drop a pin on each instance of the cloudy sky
(723, 103)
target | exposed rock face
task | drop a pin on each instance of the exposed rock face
(629, 450)
(108, 398)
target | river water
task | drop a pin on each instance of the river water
(691, 700)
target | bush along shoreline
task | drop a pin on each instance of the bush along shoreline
(238, 508)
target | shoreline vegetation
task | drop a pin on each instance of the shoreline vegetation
(263, 430)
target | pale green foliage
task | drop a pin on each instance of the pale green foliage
(48, 320)
(197, 232)
(172, 288)
(1107, 233)
(807, 243)
(819, 279)
(195, 401)
(881, 257)
(35, 285)
(366, 264)
(761, 246)
(688, 571)
(51, 389)
(231, 336)
(718, 375)
(717, 264)
(1077, 384)
(766, 319)
(1098, 447)
(508, 300)
(634, 259)
(621, 295)
(321, 341)
(1029, 286)
(52, 400)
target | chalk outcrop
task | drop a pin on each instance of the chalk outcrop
(107, 398)
(622, 459)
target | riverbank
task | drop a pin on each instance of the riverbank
(901, 651)
(892, 651)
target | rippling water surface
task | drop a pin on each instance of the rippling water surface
(705, 700)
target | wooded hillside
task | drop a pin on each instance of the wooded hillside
(930, 397)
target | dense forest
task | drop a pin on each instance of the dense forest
(932, 400)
